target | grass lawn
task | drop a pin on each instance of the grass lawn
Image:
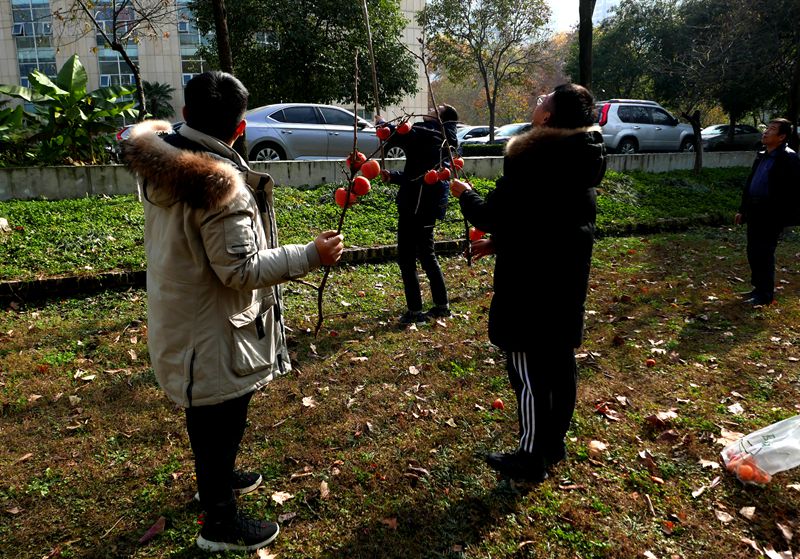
(376, 438)
(91, 235)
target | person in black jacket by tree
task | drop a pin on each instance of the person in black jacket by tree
(419, 205)
(770, 202)
(541, 217)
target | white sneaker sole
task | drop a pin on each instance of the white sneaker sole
(208, 545)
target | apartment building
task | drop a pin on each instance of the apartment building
(32, 38)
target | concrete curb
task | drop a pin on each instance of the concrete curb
(46, 288)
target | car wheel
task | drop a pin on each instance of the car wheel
(267, 152)
(395, 152)
(688, 144)
(627, 146)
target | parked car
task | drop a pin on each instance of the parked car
(468, 132)
(634, 125)
(745, 137)
(502, 134)
(308, 131)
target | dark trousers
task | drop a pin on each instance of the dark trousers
(415, 241)
(215, 433)
(762, 240)
(545, 382)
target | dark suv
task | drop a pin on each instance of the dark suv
(633, 125)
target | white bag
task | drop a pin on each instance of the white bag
(766, 452)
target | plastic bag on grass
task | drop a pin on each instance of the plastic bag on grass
(756, 457)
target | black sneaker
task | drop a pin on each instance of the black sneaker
(440, 311)
(413, 317)
(243, 483)
(241, 533)
(555, 454)
(518, 465)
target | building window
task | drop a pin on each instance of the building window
(191, 40)
(32, 32)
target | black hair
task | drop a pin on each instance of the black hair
(215, 104)
(448, 113)
(571, 106)
(784, 126)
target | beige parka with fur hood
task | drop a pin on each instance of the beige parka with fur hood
(215, 329)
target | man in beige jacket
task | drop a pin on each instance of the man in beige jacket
(214, 304)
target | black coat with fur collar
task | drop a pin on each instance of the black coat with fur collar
(541, 217)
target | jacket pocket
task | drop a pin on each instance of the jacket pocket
(240, 237)
(253, 339)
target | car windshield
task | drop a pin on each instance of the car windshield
(716, 129)
(510, 129)
(474, 132)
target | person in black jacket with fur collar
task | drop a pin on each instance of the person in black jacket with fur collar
(541, 217)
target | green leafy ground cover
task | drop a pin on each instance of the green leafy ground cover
(377, 434)
(92, 235)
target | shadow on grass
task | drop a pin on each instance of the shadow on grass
(423, 530)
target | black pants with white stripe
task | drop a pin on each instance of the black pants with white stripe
(545, 382)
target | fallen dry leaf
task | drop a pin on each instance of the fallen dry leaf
(390, 522)
(604, 409)
(662, 419)
(770, 552)
(748, 512)
(23, 458)
(750, 543)
(324, 491)
(596, 448)
(412, 370)
(708, 464)
(14, 510)
(786, 531)
(727, 437)
(723, 516)
(650, 555)
(736, 409)
(281, 497)
(795, 486)
(264, 554)
(282, 518)
(309, 402)
(154, 530)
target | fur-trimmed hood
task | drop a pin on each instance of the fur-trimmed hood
(546, 136)
(201, 179)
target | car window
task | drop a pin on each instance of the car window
(634, 114)
(662, 117)
(336, 116)
(298, 115)
(745, 129)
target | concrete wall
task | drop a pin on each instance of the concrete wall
(54, 183)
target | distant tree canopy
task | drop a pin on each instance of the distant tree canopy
(304, 50)
(740, 55)
(499, 41)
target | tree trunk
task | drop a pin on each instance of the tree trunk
(137, 78)
(793, 110)
(585, 9)
(223, 39)
(694, 120)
